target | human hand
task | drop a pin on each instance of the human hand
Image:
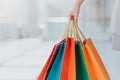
(73, 15)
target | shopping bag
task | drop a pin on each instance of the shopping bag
(81, 70)
(75, 58)
(95, 66)
(48, 64)
(54, 72)
(68, 71)
(90, 70)
(96, 62)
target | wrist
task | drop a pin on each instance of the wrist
(79, 2)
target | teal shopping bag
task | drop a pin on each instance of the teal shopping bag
(54, 71)
(81, 69)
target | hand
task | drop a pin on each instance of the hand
(74, 14)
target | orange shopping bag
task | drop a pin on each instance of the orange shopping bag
(68, 71)
(95, 66)
(99, 72)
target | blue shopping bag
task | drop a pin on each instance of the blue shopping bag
(54, 71)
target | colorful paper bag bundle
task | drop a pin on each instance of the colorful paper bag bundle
(74, 58)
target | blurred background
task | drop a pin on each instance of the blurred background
(30, 28)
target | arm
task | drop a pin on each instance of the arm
(75, 11)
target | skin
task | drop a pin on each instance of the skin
(74, 13)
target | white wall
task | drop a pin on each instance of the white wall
(23, 16)
(8, 19)
(18, 18)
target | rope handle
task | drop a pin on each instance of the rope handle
(74, 31)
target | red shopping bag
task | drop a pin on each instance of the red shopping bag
(68, 71)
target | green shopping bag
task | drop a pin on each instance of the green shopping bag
(81, 70)
(54, 72)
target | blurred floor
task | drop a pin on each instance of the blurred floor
(23, 59)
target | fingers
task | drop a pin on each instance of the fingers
(74, 17)
(71, 17)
